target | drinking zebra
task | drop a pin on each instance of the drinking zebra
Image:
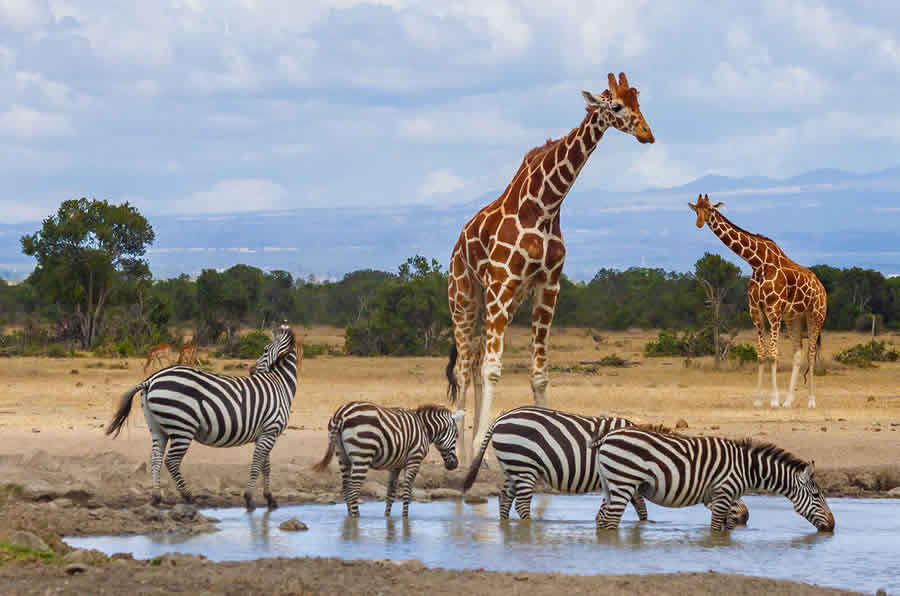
(532, 442)
(676, 471)
(182, 404)
(366, 435)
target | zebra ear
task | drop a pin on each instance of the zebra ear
(458, 415)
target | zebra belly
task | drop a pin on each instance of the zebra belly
(576, 476)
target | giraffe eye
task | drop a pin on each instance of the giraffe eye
(616, 107)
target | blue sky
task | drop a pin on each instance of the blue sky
(199, 106)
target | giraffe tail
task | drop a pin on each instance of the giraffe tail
(452, 385)
(816, 359)
(476, 462)
(121, 416)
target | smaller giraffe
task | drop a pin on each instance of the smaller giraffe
(780, 290)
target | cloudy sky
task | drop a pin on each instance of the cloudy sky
(196, 106)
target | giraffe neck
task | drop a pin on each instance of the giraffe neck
(753, 248)
(559, 162)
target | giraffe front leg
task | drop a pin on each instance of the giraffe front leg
(795, 330)
(544, 305)
(465, 301)
(814, 329)
(774, 331)
(498, 301)
(762, 349)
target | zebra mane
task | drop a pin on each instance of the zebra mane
(427, 408)
(656, 428)
(772, 451)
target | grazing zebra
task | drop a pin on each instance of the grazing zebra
(676, 471)
(183, 404)
(532, 442)
(366, 435)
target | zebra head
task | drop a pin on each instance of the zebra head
(808, 500)
(282, 343)
(440, 424)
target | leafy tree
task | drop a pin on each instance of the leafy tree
(85, 253)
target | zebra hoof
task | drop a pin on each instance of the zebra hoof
(249, 502)
(272, 504)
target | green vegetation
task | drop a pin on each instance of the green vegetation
(863, 355)
(10, 553)
(92, 290)
(743, 353)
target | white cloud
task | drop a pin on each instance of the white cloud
(440, 182)
(228, 196)
(25, 122)
(24, 14)
(653, 167)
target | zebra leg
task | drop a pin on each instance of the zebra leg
(640, 506)
(611, 511)
(391, 487)
(271, 503)
(411, 471)
(156, 457)
(524, 492)
(264, 445)
(721, 506)
(507, 496)
(177, 448)
(356, 473)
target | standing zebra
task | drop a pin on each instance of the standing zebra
(182, 404)
(366, 435)
(532, 442)
(676, 471)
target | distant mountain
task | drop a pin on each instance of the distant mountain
(824, 216)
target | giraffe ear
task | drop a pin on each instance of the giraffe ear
(717, 205)
(693, 207)
(590, 98)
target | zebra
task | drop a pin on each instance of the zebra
(366, 435)
(182, 404)
(534, 442)
(676, 471)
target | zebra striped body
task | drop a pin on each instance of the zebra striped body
(534, 443)
(676, 471)
(366, 435)
(183, 404)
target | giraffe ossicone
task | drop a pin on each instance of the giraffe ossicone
(513, 248)
(779, 290)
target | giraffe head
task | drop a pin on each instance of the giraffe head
(618, 107)
(702, 208)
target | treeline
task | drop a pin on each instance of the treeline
(93, 289)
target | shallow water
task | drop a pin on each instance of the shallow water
(862, 554)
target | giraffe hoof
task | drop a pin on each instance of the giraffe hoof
(787, 404)
(757, 403)
(811, 404)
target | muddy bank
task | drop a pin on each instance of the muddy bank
(85, 572)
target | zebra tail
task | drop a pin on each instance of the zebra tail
(118, 421)
(476, 463)
(452, 385)
(323, 465)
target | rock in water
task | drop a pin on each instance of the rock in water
(183, 512)
(293, 525)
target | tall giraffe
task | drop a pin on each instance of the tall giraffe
(780, 289)
(513, 248)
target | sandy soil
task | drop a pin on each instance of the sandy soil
(61, 475)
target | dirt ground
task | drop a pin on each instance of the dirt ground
(61, 475)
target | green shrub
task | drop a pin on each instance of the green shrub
(124, 348)
(246, 347)
(57, 351)
(613, 360)
(313, 350)
(689, 344)
(743, 353)
(863, 355)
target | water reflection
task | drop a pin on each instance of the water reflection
(778, 543)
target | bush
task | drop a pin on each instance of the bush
(863, 355)
(57, 351)
(124, 348)
(743, 353)
(313, 350)
(613, 360)
(246, 347)
(689, 344)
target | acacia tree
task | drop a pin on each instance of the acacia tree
(86, 252)
(718, 278)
